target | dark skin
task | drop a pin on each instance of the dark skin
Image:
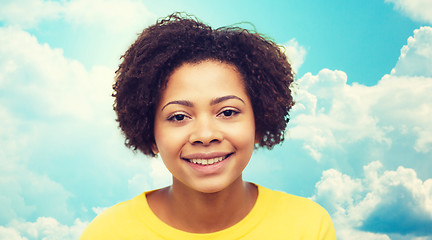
(147, 64)
(191, 211)
(206, 199)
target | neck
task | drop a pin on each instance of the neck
(193, 211)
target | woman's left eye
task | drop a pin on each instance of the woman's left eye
(228, 113)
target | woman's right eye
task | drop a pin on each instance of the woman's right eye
(177, 117)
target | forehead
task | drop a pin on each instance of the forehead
(204, 79)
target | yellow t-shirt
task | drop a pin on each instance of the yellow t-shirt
(276, 215)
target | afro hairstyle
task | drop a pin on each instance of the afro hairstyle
(180, 38)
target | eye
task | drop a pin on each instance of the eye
(178, 117)
(228, 113)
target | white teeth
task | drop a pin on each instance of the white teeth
(207, 161)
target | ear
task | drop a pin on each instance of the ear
(257, 138)
(155, 150)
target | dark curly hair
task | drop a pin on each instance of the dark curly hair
(179, 39)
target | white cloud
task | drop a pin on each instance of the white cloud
(347, 189)
(99, 210)
(93, 32)
(43, 228)
(329, 113)
(415, 58)
(26, 194)
(151, 174)
(61, 150)
(159, 174)
(113, 15)
(296, 54)
(68, 89)
(419, 10)
(353, 234)
(28, 13)
(404, 104)
(10, 233)
(383, 202)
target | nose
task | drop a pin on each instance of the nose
(205, 132)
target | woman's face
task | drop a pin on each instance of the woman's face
(204, 126)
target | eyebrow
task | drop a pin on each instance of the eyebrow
(213, 101)
(224, 98)
(179, 102)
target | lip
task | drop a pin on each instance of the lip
(205, 155)
(211, 168)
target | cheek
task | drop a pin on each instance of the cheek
(168, 142)
(168, 148)
(243, 136)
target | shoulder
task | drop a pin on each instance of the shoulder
(284, 201)
(112, 221)
(297, 214)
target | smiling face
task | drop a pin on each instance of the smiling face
(204, 126)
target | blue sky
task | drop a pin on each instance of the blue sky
(359, 141)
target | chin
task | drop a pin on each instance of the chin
(210, 188)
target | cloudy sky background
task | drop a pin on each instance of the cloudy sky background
(359, 141)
